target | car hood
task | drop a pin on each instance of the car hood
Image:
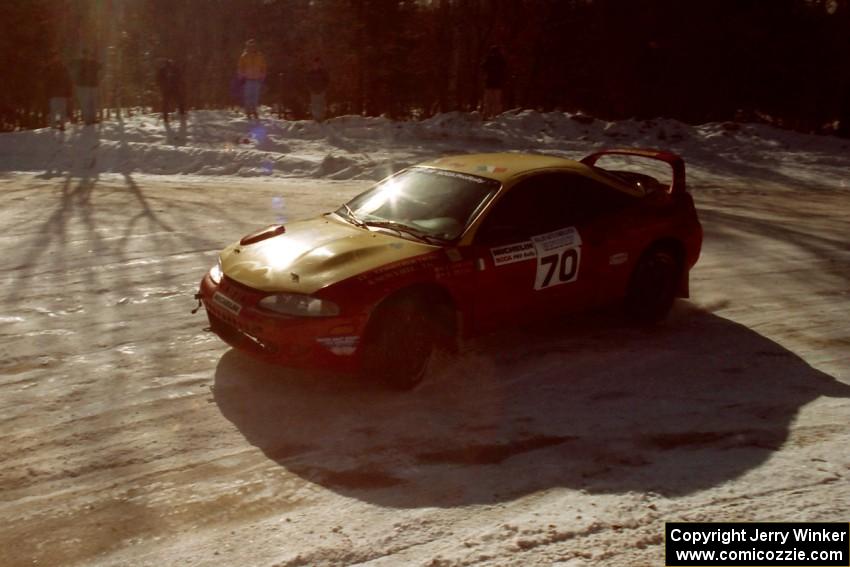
(314, 254)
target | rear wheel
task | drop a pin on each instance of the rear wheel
(400, 342)
(652, 288)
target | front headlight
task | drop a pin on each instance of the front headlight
(215, 273)
(299, 305)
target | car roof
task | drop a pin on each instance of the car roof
(503, 166)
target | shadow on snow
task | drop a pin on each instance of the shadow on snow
(593, 406)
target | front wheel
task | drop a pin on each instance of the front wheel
(400, 343)
(652, 288)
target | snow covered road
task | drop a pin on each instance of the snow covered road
(130, 436)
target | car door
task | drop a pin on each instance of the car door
(546, 247)
(506, 261)
(527, 251)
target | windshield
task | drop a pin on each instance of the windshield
(431, 203)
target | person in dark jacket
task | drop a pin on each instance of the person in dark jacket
(169, 77)
(86, 79)
(57, 84)
(495, 69)
(317, 83)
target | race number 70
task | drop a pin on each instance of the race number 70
(558, 268)
(558, 257)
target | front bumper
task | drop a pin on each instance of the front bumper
(312, 342)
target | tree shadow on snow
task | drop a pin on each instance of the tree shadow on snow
(592, 405)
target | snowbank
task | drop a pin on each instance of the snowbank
(221, 142)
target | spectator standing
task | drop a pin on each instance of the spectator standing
(252, 73)
(317, 82)
(169, 77)
(86, 79)
(58, 89)
(495, 68)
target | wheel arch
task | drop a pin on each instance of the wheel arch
(442, 307)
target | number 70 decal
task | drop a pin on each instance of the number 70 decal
(558, 257)
(563, 268)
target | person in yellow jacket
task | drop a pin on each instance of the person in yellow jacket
(252, 73)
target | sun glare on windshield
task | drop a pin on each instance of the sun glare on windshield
(385, 194)
(431, 201)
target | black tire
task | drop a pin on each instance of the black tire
(400, 342)
(653, 285)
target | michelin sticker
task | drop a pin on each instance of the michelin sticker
(513, 253)
(558, 256)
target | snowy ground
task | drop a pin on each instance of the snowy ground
(132, 437)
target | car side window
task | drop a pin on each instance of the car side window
(545, 203)
(590, 198)
(525, 210)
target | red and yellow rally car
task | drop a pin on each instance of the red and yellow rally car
(452, 248)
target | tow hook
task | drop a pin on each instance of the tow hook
(200, 303)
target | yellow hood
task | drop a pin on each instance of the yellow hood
(313, 254)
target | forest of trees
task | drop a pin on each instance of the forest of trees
(694, 60)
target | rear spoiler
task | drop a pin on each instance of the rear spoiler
(677, 164)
